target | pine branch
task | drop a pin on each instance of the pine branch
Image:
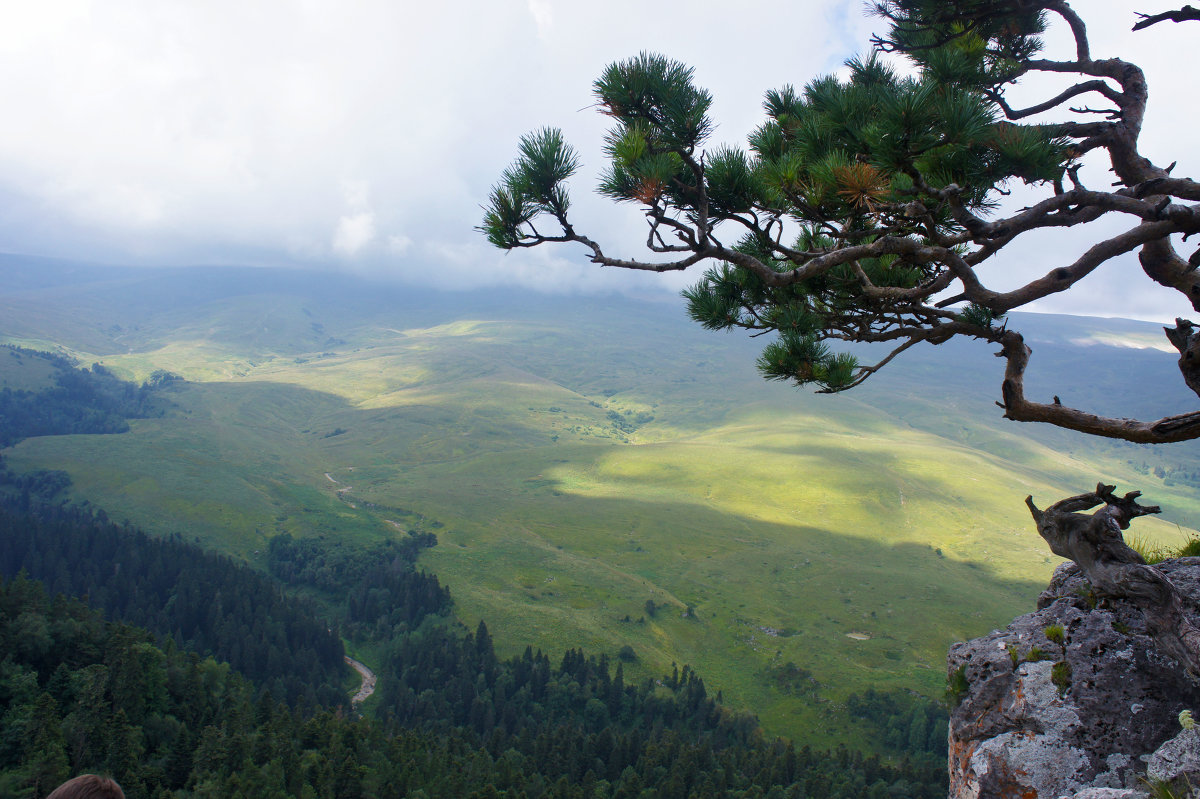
(1182, 427)
(1185, 14)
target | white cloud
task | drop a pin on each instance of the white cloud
(357, 193)
(543, 17)
(398, 243)
(357, 132)
(353, 233)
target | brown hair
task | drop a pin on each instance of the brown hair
(88, 786)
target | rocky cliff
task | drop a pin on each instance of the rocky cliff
(1073, 700)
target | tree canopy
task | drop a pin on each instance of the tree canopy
(868, 210)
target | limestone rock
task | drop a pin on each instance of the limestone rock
(1177, 759)
(1040, 720)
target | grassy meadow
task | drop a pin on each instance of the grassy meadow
(600, 473)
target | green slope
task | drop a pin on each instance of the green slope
(578, 458)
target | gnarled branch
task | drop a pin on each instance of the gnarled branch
(1095, 543)
(1182, 427)
(1185, 14)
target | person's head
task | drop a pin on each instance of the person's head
(88, 786)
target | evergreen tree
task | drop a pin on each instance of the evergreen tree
(46, 757)
(862, 210)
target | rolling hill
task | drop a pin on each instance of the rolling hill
(599, 471)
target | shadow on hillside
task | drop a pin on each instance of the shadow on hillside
(271, 433)
(695, 544)
(239, 462)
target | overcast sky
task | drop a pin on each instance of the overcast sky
(365, 134)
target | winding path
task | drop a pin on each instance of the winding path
(368, 681)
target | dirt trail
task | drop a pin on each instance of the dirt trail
(341, 490)
(368, 681)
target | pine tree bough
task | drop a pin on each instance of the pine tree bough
(1094, 542)
(865, 210)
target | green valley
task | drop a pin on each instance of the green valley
(600, 473)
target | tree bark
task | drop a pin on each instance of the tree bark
(1096, 545)
(1186, 339)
